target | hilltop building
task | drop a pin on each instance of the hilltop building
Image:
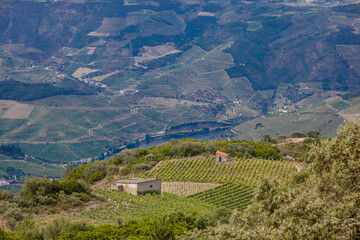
(221, 156)
(138, 185)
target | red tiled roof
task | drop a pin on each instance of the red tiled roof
(221, 154)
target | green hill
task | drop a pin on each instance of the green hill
(243, 170)
(232, 196)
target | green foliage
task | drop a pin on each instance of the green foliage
(298, 151)
(28, 229)
(6, 195)
(139, 207)
(7, 235)
(313, 133)
(97, 176)
(43, 191)
(14, 90)
(321, 202)
(12, 151)
(143, 159)
(297, 135)
(35, 188)
(151, 192)
(165, 227)
(68, 186)
(85, 172)
(62, 226)
(12, 215)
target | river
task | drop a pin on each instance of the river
(198, 136)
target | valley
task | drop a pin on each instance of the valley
(122, 72)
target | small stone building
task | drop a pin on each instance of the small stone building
(135, 185)
(221, 156)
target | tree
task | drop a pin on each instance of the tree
(69, 169)
(297, 135)
(313, 134)
(6, 195)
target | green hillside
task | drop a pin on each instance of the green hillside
(143, 68)
(243, 170)
(139, 207)
(232, 196)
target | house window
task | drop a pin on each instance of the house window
(150, 186)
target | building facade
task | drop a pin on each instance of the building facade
(221, 156)
(138, 185)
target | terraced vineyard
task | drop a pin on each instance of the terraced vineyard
(228, 195)
(244, 171)
(139, 207)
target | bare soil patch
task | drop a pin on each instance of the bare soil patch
(14, 110)
(155, 52)
(186, 188)
(206, 14)
(169, 102)
(83, 72)
(300, 165)
(102, 77)
(290, 140)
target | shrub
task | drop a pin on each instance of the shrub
(113, 170)
(85, 172)
(28, 229)
(68, 186)
(95, 177)
(297, 135)
(35, 187)
(6, 195)
(150, 192)
(125, 171)
(60, 226)
(313, 133)
(12, 216)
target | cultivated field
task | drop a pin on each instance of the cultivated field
(232, 196)
(139, 207)
(244, 171)
(186, 188)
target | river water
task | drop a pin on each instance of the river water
(199, 136)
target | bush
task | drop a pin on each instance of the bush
(6, 195)
(125, 171)
(12, 216)
(313, 133)
(141, 167)
(297, 135)
(35, 187)
(60, 226)
(113, 170)
(95, 177)
(28, 229)
(85, 172)
(73, 200)
(4, 205)
(68, 186)
(150, 192)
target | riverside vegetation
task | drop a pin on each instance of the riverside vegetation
(319, 202)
